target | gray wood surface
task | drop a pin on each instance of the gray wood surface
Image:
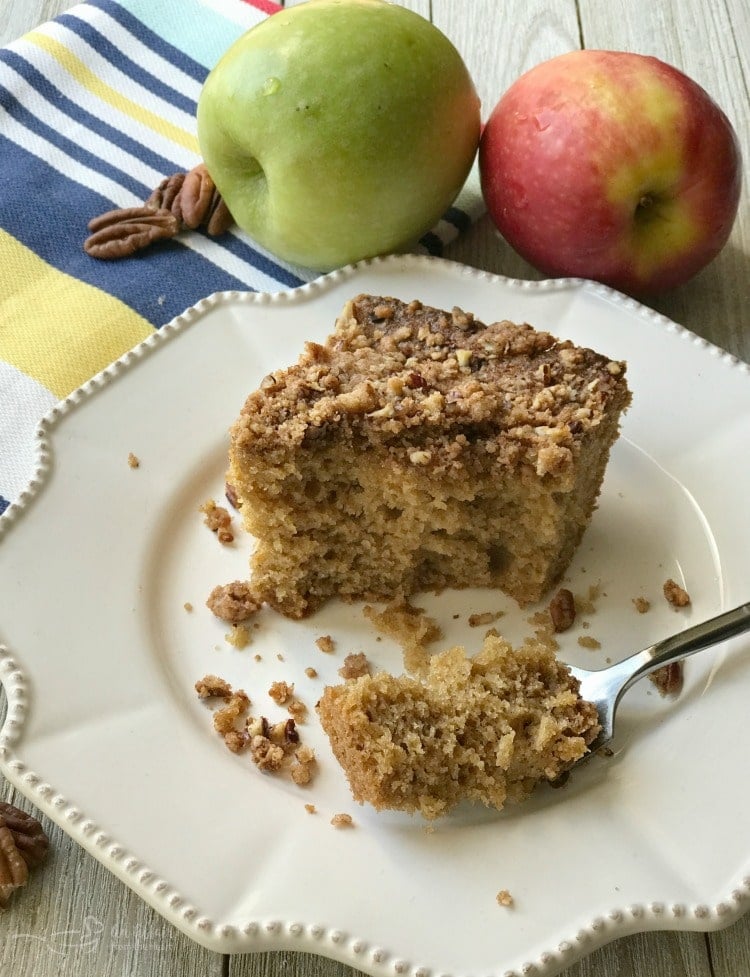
(75, 919)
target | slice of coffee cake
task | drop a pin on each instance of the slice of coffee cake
(419, 449)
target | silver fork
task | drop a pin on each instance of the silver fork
(605, 687)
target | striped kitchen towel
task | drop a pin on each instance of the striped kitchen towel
(96, 108)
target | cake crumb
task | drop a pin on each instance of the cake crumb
(281, 692)
(355, 665)
(297, 709)
(188, 606)
(342, 821)
(675, 594)
(311, 672)
(586, 641)
(642, 604)
(211, 685)
(233, 602)
(326, 643)
(238, 637)
(311, 809)
(487, 617)
(218, 520)
(133, 460)
(504, 898)
(562, 610)
(544, 632)
(411, 627)
(304, 766)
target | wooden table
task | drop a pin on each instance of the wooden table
(75, 919)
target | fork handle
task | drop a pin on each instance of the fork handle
(686, 643)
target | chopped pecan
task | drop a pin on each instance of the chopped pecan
(120, 233)
(164, 196)
(211, 685)
(562, 610)
(668, 679)
(231, 495)
(27, 832)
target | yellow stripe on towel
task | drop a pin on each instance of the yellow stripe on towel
(86, 77)
(58, 330)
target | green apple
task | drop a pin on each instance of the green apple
(338, 130)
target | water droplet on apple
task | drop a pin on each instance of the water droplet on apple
(271, 86)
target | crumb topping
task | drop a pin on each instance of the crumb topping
(233, 602)
(430, 379)
(218, 520)
(675, 594)
(355, 665)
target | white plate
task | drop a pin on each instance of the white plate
(105, 733)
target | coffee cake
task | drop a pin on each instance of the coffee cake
(418, 449)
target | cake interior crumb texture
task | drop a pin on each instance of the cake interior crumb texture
(418, 449)
(486, 729)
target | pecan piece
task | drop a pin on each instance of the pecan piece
(668, 679)
(120, 233)
(28, 834)
(562, 610)
(14, 872)
(164, 196)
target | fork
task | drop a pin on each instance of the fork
(606, 686)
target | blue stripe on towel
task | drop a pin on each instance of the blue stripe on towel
(172, 278)
(62, 103)
(160, 287)
(120, 60)
(73, 150)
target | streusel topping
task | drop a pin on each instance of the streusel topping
(434, 381)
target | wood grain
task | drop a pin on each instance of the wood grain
(76, 920)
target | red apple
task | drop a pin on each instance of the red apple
(611, 166)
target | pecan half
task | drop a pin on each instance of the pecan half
(164, 196)
(14, 871)
(219, 219)
(196, 197)
(120, 233)
(28, 834)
